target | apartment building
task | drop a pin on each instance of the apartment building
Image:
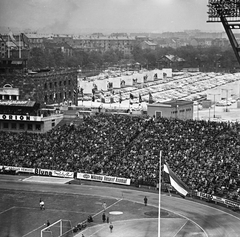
(104, 43)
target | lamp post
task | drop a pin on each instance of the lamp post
(214, 103)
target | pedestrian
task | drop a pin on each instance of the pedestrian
(41, 203)
(104, 205)
(107, 219)
(48, 223)
(111, 227)
(103, 217)
(145, 201)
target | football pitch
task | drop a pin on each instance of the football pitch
(20, 214)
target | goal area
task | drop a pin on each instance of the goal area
(60, 228)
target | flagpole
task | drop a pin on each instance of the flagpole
(159, 187)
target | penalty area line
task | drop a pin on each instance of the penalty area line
(7, 210)
(33, 230)
(181, 228)
(108, 207)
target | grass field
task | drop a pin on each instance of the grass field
(20, 214)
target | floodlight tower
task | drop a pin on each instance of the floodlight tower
(227, 12)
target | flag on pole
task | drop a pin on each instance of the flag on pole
(93, 95)
(176, 183)
(140, 98)
(102, 96)
(131, 99)
(111, 97)
(120, 97)
(150, 100)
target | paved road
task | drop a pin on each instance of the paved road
(215, 222)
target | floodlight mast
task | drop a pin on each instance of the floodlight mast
(227, 12)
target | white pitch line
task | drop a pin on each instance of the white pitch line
(97, 231)
(180, 229)
(108, 207)
(33, 230)
(34, 208)
(7, 210)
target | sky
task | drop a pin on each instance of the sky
(106, 16)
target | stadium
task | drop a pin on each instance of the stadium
(114, 169)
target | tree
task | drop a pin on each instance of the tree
(37, 59)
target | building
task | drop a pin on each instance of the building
(46, 87)
(171, 61)
(9, 93)
(63, 47)
(177, 109)
(37, 40)
(148, 45)
(26, 116)
(104, 43)
(14, 52)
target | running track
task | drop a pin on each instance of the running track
(216, 222)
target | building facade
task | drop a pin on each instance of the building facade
(45, 88)
(26, 116)
(176, 109)
(104, 43)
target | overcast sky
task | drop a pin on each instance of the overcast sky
(107, 16)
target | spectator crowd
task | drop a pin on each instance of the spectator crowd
(204, 154)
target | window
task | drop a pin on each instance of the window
(14, 126)
(14, 97)
(30, 126)
(5, 125)
(55, 84)
(21, 126)
(38, 127)
(158, 114)
(60, 83)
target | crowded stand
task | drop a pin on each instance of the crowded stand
(204, 154)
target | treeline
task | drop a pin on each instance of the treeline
(207, 59)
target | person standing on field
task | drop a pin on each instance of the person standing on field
(41, 203)
(103, 217)
(145, 201)
(111, 227)
(104, 205)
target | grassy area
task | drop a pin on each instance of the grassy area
(20, 214)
